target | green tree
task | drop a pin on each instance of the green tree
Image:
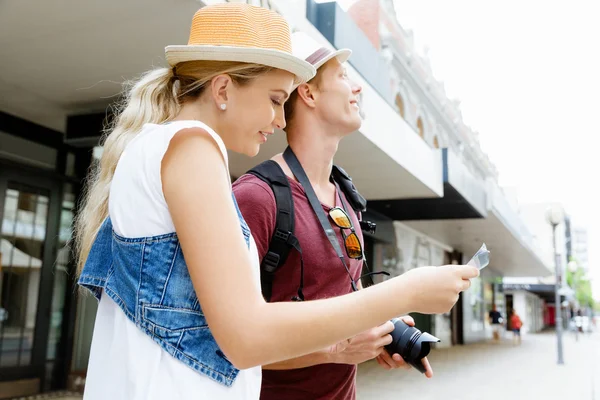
(582, 286)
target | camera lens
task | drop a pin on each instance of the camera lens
(412, 344)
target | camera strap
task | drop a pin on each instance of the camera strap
(296, 168)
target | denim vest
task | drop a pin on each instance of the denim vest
(149, 280)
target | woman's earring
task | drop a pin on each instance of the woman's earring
(223, 106)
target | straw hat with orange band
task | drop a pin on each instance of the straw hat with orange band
(243, 33)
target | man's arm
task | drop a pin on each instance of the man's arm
(309, 360)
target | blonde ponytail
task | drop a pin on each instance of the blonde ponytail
(155, 98)
(152, 99)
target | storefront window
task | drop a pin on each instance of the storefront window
(488, 300)
(529, 317)
(61, 273)
(24, 232)
(477, 304)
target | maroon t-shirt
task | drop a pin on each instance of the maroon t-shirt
(324, 276)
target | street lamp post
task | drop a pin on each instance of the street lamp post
(555, 216)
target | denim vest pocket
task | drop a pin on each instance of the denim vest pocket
(177, 330)
(171, 320)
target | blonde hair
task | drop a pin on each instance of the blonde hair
(156, 97)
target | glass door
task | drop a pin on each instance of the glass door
(30, 216)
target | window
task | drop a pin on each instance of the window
(436, 143)
(476, 301)
(420, 128)
(400, 105)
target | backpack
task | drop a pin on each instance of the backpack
(283, 239)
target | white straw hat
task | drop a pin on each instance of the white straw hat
(244, 33)
(308, 49)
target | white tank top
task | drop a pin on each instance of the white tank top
(126, 364)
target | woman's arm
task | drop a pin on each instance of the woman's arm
(250, 331)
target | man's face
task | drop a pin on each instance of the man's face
(337, 97)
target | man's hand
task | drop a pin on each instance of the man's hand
(396, 361)
(369, 345)
(362, 347)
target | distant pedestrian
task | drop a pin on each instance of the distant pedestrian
(516, 324)
(496, 322)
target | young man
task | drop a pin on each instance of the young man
(319, 114)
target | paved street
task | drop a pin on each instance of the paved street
(491, 371)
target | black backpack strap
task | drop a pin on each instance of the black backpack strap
(283, 239)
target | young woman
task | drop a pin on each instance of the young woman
(165, 249)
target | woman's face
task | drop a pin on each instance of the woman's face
(255, 109)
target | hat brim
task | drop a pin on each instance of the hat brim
(303, 70)
(342, 55)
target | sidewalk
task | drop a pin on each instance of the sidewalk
(496, 371)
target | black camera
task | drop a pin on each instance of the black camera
(412, 344)
(368, 226)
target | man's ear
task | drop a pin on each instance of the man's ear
(307, 93)
(220, 85)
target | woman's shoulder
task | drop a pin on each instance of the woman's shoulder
(194, 127)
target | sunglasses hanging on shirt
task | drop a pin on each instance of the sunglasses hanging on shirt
(352, 241)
